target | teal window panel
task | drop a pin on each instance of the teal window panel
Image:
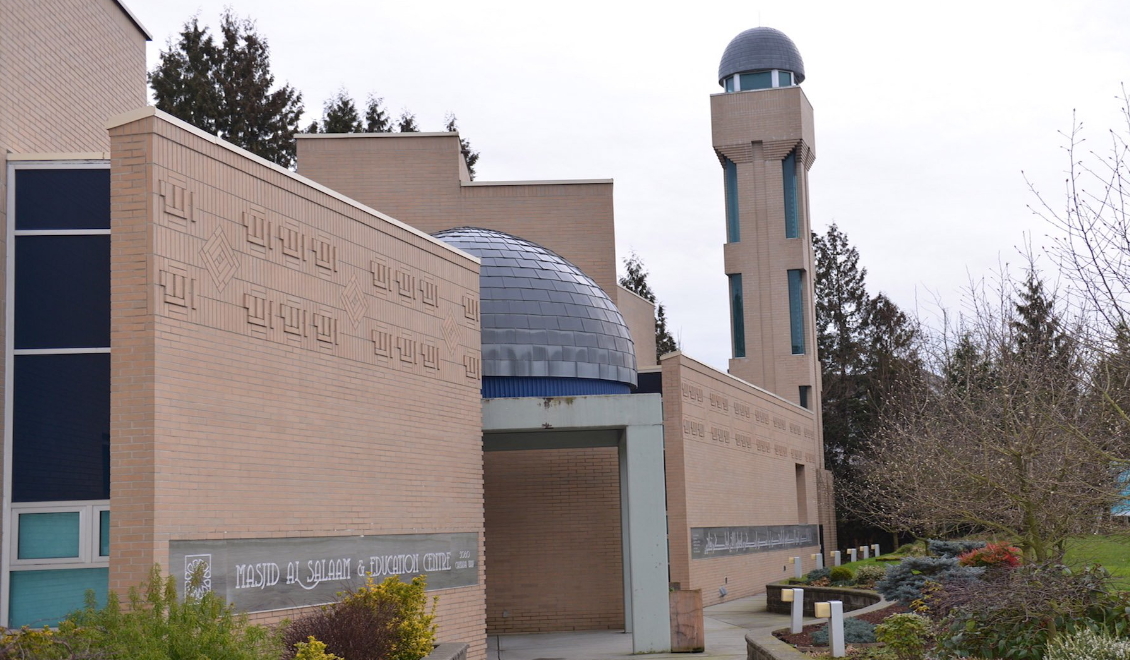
(103, 533)
(784, 79)
(733, 223)
(737, 315)
(44, 598)
(788, 175)
(759, 80)
(796, 310)
(730, 84)
(49, 535)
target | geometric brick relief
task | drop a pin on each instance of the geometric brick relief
(293, 319)
(406, 284)
(763, 446)
(450, 332)
(292, 242)
(743, 441)
(353, 300)
(406, 347)
(810, 434)
(761, 416)
(381, 274)
(721, 436)
(719, 402)
(741, 410)
(178, 287)
(779, 424)
(176, 199)
(692, 393)
(794, 428)
(258, 309)
(780, 450)
(694, 428)
(429, 293)
(325, 327)
(325, 254)
(258, 227)
(430, 353)
(809, 457)
(382, 343)
(470, 307)
(797, 454)
(219, 259)
(471, 366)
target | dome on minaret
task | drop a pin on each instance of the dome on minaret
(761, 49)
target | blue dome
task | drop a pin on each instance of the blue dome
(544, 321)
(761, 49)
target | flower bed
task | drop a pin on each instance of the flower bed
(853, 599)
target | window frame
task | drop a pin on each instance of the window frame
(88, 536)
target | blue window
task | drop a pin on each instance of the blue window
(61, 427)
(759, 80)
(52, 535)
(796, 310)
(788, 175)
(730, 84)
(104, 533)
(784, 79)
(44, 598)
(63, 199)
(733, 224)
(737, 316)
(62, 291)
(805, 391)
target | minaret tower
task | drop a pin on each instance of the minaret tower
(763, 135)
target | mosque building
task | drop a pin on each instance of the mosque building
(287, 381)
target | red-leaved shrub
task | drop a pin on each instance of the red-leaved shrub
(993, 555)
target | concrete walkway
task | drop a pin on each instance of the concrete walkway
(726, 627)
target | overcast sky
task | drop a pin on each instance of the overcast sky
(926, 113)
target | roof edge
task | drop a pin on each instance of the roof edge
(535, 182)
(134, 20)
(731, 376)
(151, 111)
(322, 136)
(60, 155)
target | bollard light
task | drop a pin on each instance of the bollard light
(875, 549)
(835, 557)
(798, 612)
(865, 550)
(823, 610)
(819, 558)
(787, 595)
(851, 555)
(798, 570)
(836, 628)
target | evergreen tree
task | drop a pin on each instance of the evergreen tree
(890, 354)
(226, 88)
(407, 122)
(1037, 329)
(469, 155)
(636, 281)
(341, 115)
(376, 119)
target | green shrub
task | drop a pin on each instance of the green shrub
(414, 625)
(904, 581)
(867, 576)
(841, 574)
(856, 631)
(818, 574)
(313, 650)
(1087, 644)
(905, 635)
(952, 548)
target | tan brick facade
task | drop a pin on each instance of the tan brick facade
(639, 315)
(420, 178)
(285, 363)
(733, 453)
(554, 546)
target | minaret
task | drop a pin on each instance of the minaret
(763, 135)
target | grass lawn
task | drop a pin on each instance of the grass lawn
(1113, 552)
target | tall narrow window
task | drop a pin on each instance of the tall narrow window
(804, 393)
(737, 316)
(801, 495)
(788, 175)
(796, 310)
(733, 227)
(730, 84)
(784, 79)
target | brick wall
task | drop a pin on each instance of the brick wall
(553, 519)
(284, 363)
(416, 178)
(731, 453)
(639, 315)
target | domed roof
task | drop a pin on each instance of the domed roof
(541, 316)
(758, 49)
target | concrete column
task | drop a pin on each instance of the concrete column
(641, 458)
(625, 542)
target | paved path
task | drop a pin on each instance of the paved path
(726, 626)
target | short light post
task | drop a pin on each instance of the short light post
(835, 557)
(851, 555)
(819, 557)
(875, 549)
(798, 570)
(833, 611)
(796, 597)
(866, 551)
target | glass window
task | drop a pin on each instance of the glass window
(759, 80)
(788, 175)
(44, 598)
(804, 392)
(784, 79)
(63, 199)
(730, 84)
(61, 428)
(103, 533)
(62, 291)
(733, 225)
(48, 535)
(737, 315)
(796, 310)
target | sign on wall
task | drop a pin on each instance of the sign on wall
(708, 542)
(259, 575)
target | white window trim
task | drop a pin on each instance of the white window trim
(87, 539)
(6, 519)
